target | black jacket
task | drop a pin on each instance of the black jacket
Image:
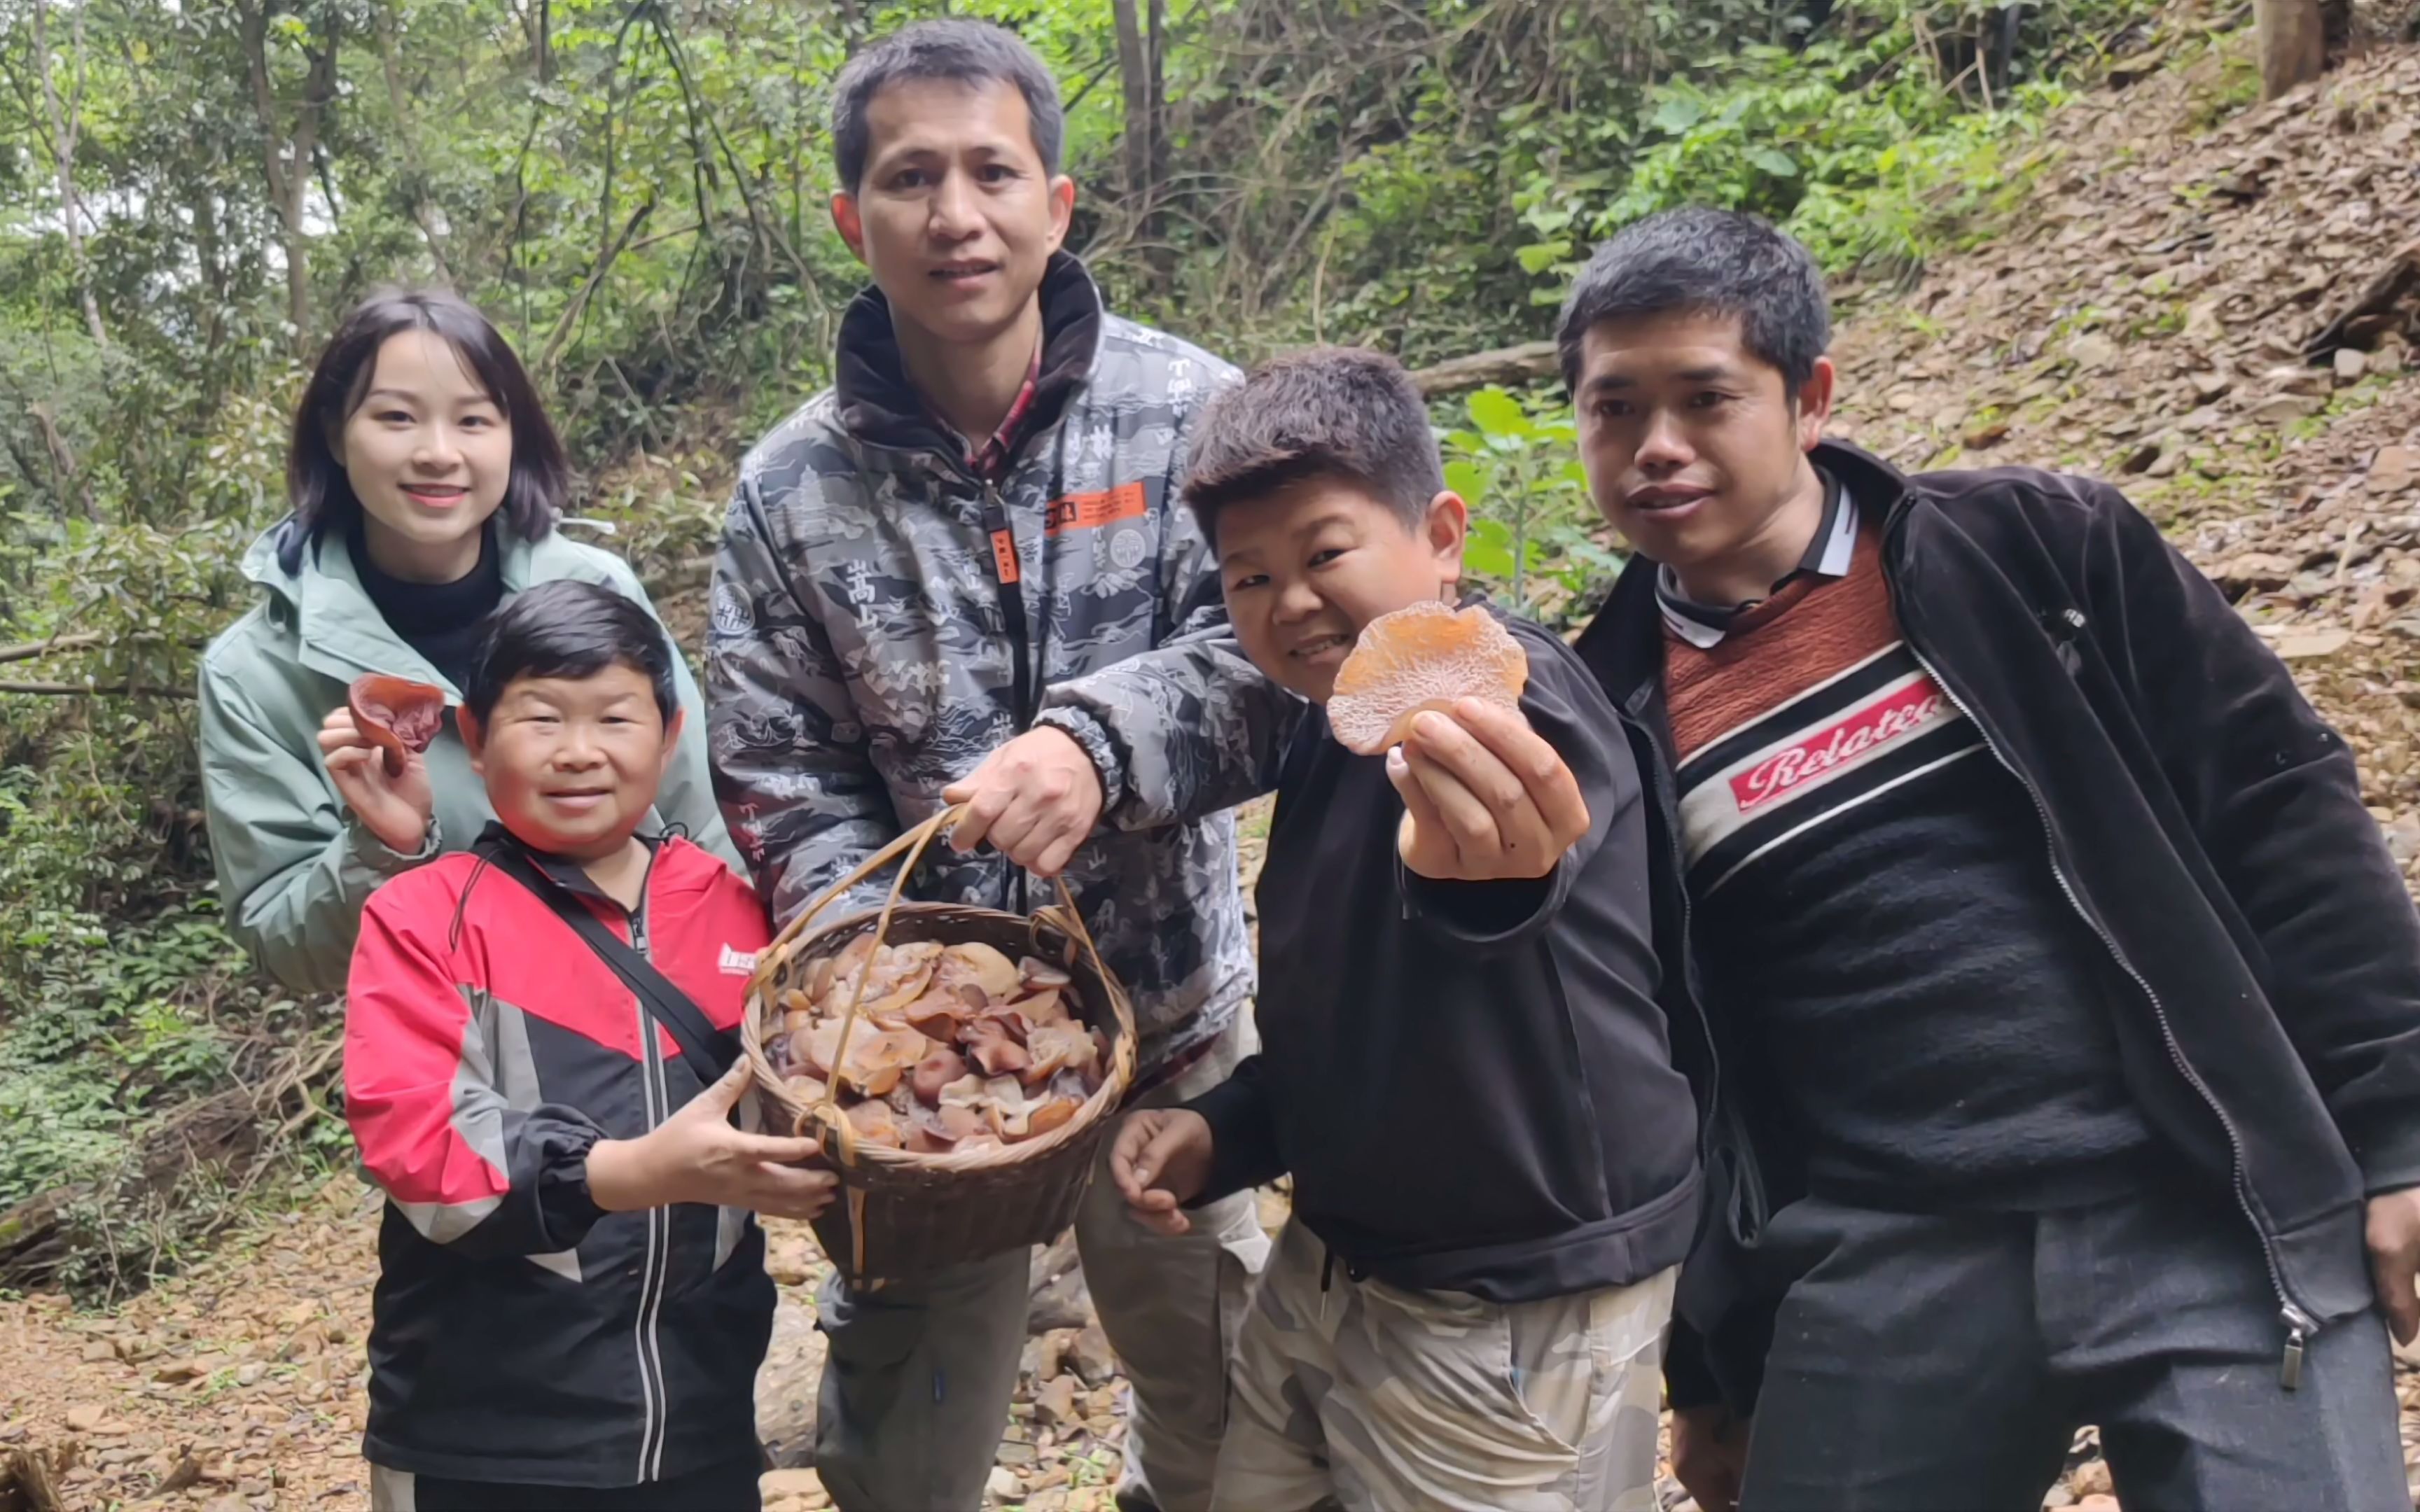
(2201, 817)
(1470, 1081)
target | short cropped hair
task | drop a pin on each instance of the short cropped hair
(964, 51)
(1697, 260)
(1340, 413)
(565, 627)
(315, 483)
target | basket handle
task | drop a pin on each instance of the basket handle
(914, 843)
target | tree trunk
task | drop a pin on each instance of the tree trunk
(2293, 43)
(65, 128)
(1162, 256)
(415, 186)
(1134, 74)
(285, 157)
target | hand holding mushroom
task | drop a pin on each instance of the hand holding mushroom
(1439, 689)
(372, 743)
(1485, 798)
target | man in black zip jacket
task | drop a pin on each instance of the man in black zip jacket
(2064, 1000)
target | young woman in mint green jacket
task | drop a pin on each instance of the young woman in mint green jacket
(426, 480)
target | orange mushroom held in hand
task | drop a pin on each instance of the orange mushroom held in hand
(1425, 655)
(396, 714)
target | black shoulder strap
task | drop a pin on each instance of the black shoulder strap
(711, 1051)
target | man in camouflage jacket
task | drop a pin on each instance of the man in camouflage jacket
(891, 606)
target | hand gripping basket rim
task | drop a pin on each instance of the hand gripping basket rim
(861, 1166)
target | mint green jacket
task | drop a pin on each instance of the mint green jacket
(294, 868)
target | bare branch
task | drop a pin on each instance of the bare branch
(28, 650)
(100, 690)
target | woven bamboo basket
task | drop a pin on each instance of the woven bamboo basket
(900, 1214)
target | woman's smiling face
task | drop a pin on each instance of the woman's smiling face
(429, 453)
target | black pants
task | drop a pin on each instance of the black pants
(1945, 1361)
(723, 1488)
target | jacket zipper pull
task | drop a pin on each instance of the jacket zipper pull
(2298, 1332)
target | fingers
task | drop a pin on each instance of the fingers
(1423, 840)
(1035, 800)
(1534, 763)
(788, 1193)
(985, 805)
(1171, 1223)
(723, 1094)
(337, 730)
(775, 1150)
(1145, 1144)
(1460, 816)
(2393, 1272)
(1133, 1138)
(1486, 802)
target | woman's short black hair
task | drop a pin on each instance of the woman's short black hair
(568, 628)
(314, 478)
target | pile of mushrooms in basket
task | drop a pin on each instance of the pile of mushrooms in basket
(956, 1048)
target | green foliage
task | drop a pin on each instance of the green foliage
(1853, 145)
(1534, 531)
(637, 191)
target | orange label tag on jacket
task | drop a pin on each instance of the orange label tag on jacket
(1090, 511)
(1003, 555)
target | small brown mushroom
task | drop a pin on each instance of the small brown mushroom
(876, 1124)
(1041, 976)
(1046, 1117)
(936, 1015)
(1044, 1007)
(395, 715)
(1054, 1048)
(935, 1130)
(994, 1048)
(937, 1071)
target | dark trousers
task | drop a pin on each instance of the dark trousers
(722, 1488)
(1943, 1363)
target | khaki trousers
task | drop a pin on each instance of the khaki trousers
(1382, 1400)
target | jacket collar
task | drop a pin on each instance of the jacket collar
(568, 876)
(879, 406)
(338, 632)
(1623, 644)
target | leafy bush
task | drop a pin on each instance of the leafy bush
(1535, 531)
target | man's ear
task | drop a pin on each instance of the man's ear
(1063, 209)
(1446, 527)
(849, 222)
(1815, 402)
(475, 738)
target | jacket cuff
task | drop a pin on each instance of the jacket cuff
(1088, 732)
(2388, 1153)
(384, 860)
(1484, 914)
(566, 1207)
(1241, 1154)
(1689, 1379)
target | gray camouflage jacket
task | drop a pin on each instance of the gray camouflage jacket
(862, 655)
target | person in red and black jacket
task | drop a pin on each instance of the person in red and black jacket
(572, 1302)
(2064, 1000)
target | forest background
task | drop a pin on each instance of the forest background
(636, 190)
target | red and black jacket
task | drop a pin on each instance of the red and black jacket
(518, 1332)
